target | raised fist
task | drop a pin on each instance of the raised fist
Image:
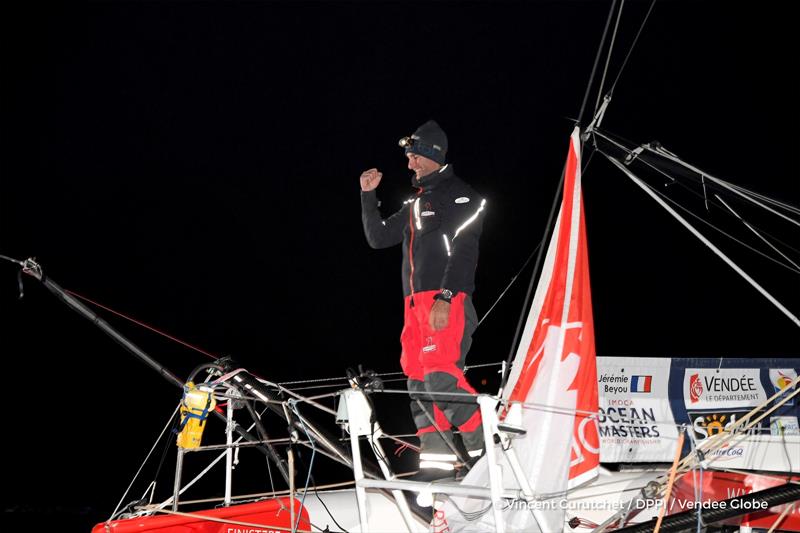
(370, 179)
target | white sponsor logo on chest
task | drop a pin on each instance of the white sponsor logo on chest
(428, 213)
(462, 200)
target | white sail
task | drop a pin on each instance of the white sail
(552, 386)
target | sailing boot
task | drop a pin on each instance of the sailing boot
(473, 442)
(436, 459)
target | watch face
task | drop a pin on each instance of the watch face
(447, 293)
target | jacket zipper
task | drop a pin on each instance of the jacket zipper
(411, 245)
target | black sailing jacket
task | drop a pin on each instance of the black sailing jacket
(439, 227)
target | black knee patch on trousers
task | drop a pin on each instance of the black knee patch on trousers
(417, 392)
(458, 409)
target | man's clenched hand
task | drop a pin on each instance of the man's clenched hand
(370, 179)
(440, 315)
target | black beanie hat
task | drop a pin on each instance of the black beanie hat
(428, 141)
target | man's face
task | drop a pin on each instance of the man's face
(422, 166)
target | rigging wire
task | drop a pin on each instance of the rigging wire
(382, 374)
(531, 283)
(596, 61)
(535, 406)
(293, 405)
(142, 324)
(729, 236)
(724, 188)
(608, 136)
(551, 216)
(693, 230)
(339, 385)
(219, 457)
(672, 157)
(762, 197)
(259, 496)
(11, 259)
(630, 50)
(663, 153)
(136, 475)
(754, 230)
(23, 264)
(513, 280)
(687, 211)
(608, 57)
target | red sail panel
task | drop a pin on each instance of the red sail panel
(556, 365)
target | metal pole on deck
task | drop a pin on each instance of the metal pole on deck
(229, 454)
(178, 472)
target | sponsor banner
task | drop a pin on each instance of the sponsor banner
(780, 379)
(725, 388)
(753, 449)
(783, 425)
(709, 423)
(636, 422)
(638, 415)
(706, 424)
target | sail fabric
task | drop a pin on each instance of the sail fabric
(554, 374)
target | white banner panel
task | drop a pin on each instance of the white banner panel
(636, 421)
(725, 388)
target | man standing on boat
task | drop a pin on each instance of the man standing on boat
(439, 228)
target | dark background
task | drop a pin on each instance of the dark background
(195, 165)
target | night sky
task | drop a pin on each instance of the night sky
(195, 165)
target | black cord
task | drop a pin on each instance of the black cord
(513, 280)
(314, 486)
(166, 446)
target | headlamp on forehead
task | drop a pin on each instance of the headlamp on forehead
(406, 142)
(428, 141)
(417, 146)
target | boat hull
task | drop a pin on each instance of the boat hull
(268, 516)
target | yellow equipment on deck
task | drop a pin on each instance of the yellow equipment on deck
(197, 402)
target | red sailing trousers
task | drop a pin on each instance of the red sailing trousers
(434, 363)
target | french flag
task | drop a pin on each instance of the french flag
(641, 383)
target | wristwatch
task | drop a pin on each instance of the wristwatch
(444, 294)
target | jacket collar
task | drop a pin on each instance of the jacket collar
(433, 179)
